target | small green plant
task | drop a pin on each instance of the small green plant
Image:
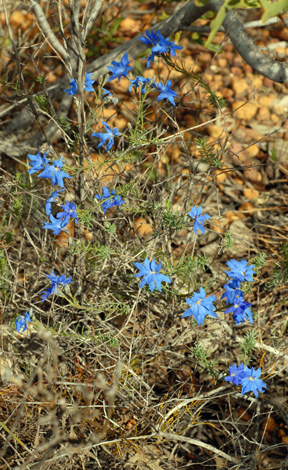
(43, 103)
(202, 357)
(259, 260)
(249, 345)
(228, 241)
(172, 220)
(5, 276)
(207, 152)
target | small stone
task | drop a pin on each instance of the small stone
(251, 193)
(245, 110)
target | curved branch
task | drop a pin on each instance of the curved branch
(47, 31)
(267, 66)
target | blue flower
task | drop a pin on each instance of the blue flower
(73, 88)
(38, 162)
(166, 91)
(236, 374)
(139, 81)
(159, 45)
(200, 306)
(252, 383)
(241, 311)
(110, 200)
(165, 45)
(239, 306)
(119, 69)
(151, 38)
(232, 291)
(151, 273)
(240, 270)
(195, 214)
(45, 294)
(89, 82)
(87, 85)
(52, 198)
(110, 134)
(57, 225)
(55, 173)
(239, 316)
(56, 282)
(69, 211)
(21, 322)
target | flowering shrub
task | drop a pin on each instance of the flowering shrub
(202, 304)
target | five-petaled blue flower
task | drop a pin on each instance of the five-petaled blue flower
(119, 69)
(57, 225)
(55, 173)
(251, 382)
(195, 214)
(109, 135)
(159, 44)
(232, 291)
(56, 282)
(69, 212)
(240, 270)
(166, 91)
(240, 316)
(139, 81)
(38, 162)
(151, 273)
(238, 307)
(165, 45)
(87, 85)
(152, 38)
(200, 306)
(236, 374)
(53, 198)
(21, 322)
(110, 200)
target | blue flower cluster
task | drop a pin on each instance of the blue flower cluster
(200, 304)
(159, 45)
(240, 272)
(247, 378)
(55, 173)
